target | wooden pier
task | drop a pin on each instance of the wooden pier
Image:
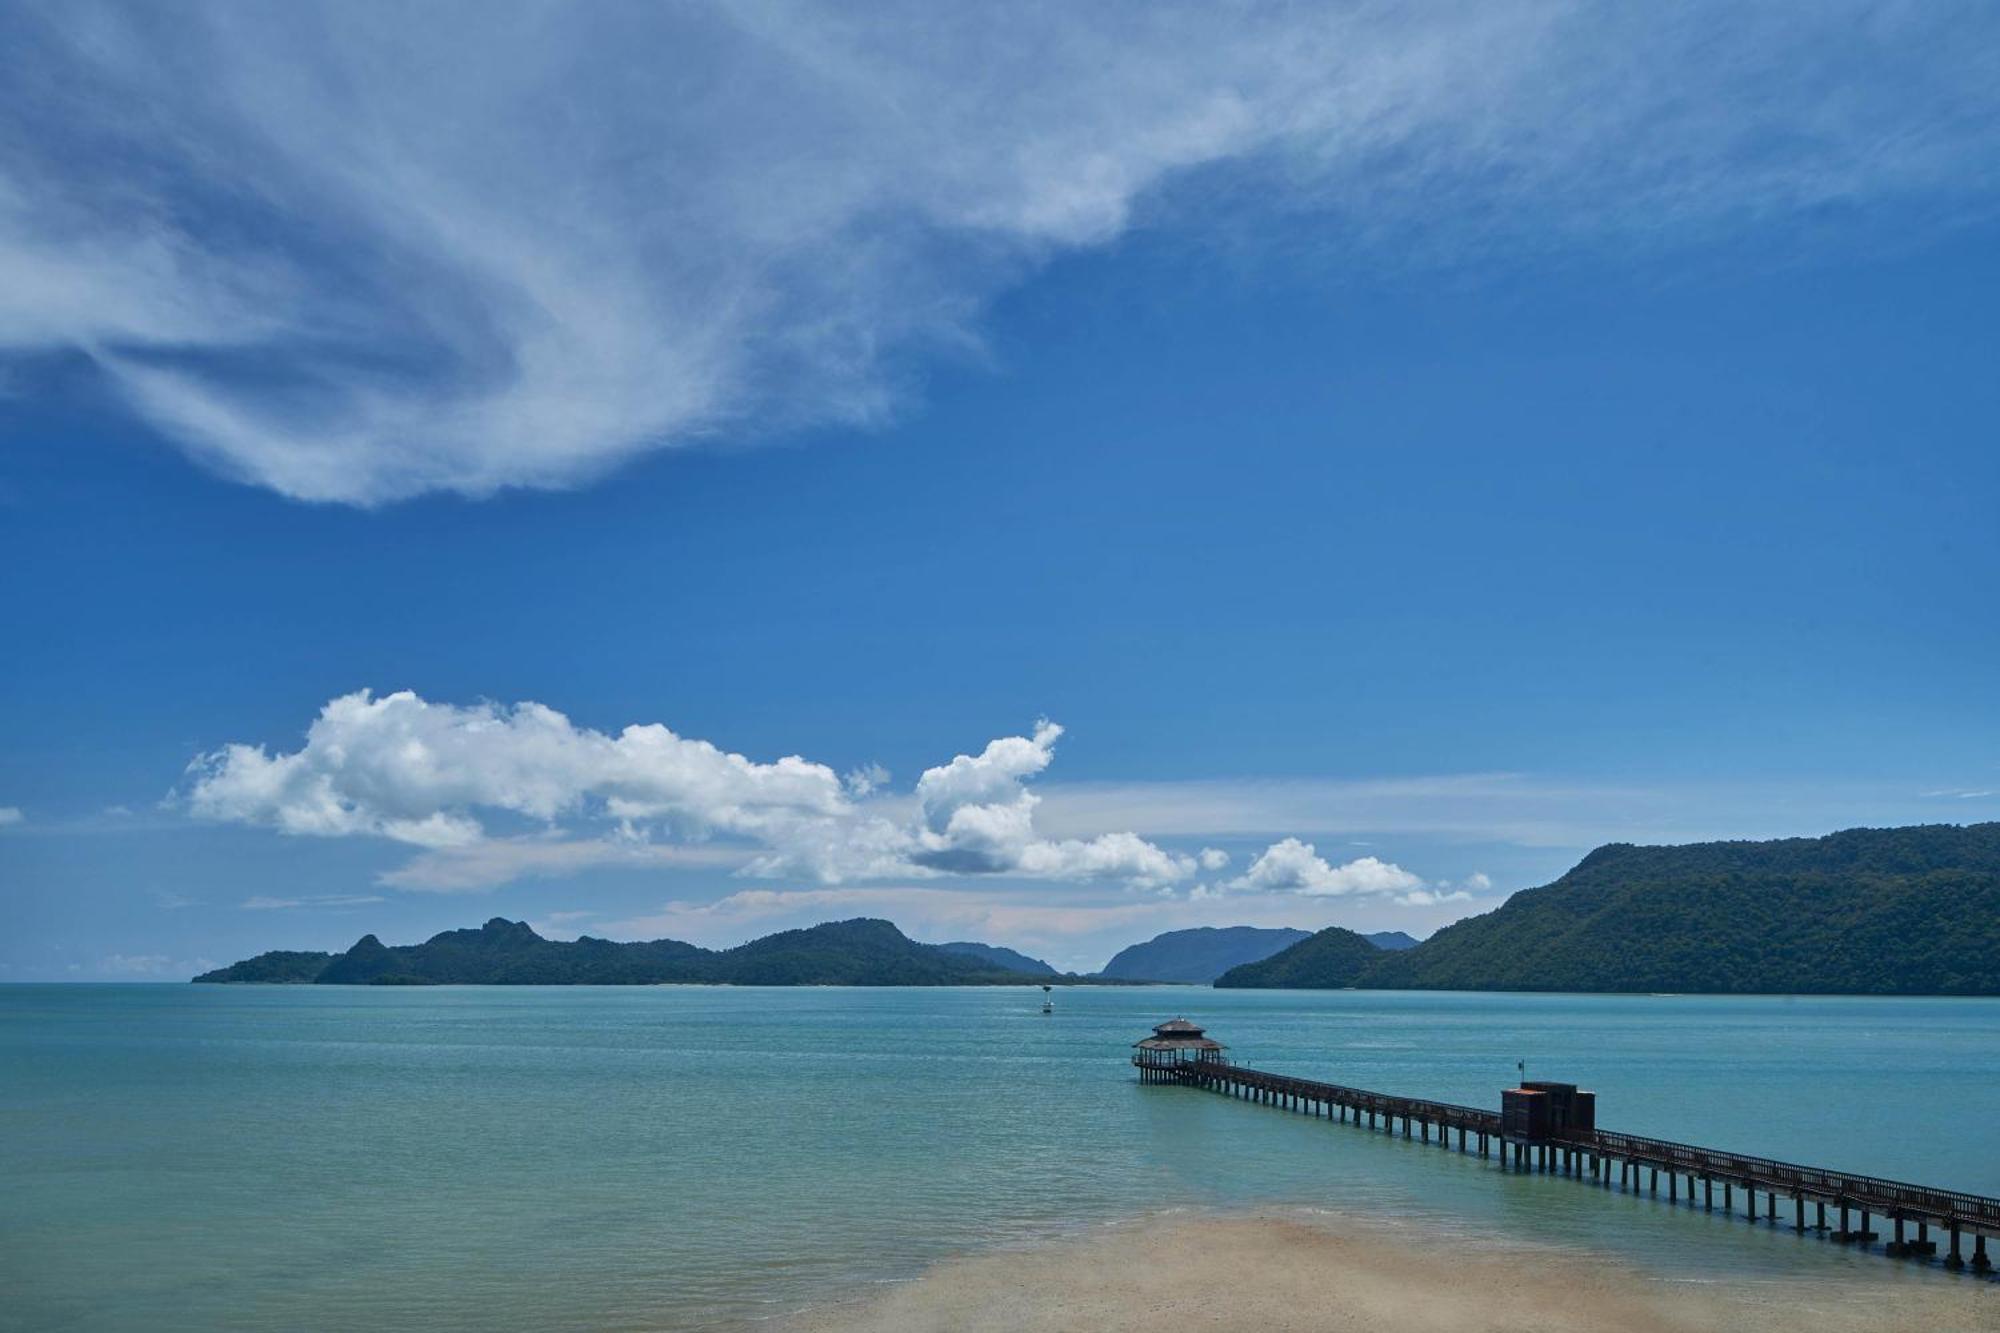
(1551, 1127)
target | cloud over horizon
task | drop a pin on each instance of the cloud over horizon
(357, 253)
(438, 776)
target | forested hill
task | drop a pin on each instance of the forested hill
(1901, 911)
(1007, 960)
(1198, 955)
(861, 952)
(1332, 958)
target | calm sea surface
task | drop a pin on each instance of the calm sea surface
(197, 1157)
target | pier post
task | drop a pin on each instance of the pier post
(1771, 1206)
(1653, 1180)
(1980, 1263)
(1864, 1226)
(1750, 1201)
(1954, 1260)
(1707, 1194)
(1799, 1208)
(1673, 1187)
(1819, 1223)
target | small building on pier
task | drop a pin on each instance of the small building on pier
(1538, 1111)
(1174, 1043)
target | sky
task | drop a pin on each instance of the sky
(1045, 475)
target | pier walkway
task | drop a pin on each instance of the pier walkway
(1550, 1127)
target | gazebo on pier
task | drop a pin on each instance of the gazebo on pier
(1173, 1046)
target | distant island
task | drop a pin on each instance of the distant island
(1004, 958)
(861, 952)
(1199, 955)
(1900, 911)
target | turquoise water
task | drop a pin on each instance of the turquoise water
(182, 1157)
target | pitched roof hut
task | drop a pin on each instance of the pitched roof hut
(1173, 1044)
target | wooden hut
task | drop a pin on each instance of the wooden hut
(1174, 1044)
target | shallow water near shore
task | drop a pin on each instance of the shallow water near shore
(181, 1157)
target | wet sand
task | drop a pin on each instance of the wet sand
(1282, 1273)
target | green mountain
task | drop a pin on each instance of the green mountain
(1001, 957)
(861, 952)
(1391, 939)
(1900, 911)
(1330, 959)
(279, 967)
(1198, 955)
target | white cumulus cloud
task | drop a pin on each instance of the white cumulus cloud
(401, 767)
(441, 776)
(978, 818)
(356, 252)
(1292, 866)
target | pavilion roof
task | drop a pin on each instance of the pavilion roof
(1179, 1044)
(1177, 1034)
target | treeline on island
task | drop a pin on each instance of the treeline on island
(861, 952)
(1900, 911)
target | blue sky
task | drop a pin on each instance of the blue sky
(1488, 438)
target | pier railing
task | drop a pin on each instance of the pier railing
(1452, 1116)
(1883, 1196)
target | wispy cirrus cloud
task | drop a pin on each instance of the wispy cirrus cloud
(265, 903)
(1518, 809)
(356, 252)
(490, 862)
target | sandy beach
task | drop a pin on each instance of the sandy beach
(1279, 1273)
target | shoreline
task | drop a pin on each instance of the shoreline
(1314, 1271)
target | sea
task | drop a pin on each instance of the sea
(669, 1157)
